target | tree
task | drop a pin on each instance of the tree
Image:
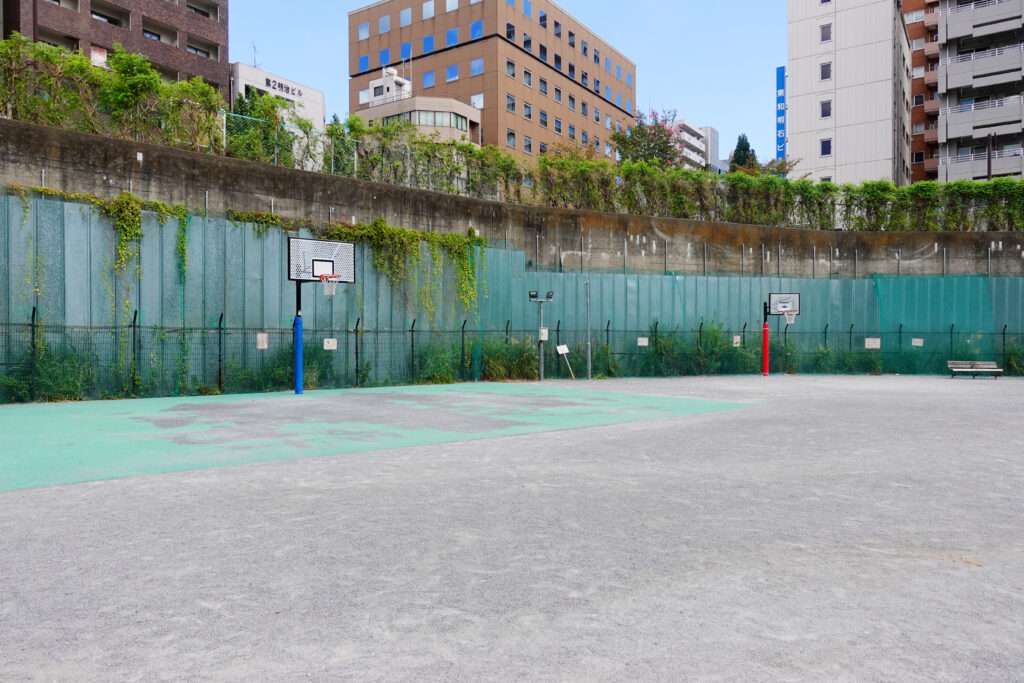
(652, 139)
(130, 96)
(742, 155)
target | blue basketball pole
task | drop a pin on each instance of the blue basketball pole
(297, 332)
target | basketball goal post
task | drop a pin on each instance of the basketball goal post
(779, 303)
(312, 260)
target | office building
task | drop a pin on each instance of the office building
(969, 110)
(538, 76)
(309, 103)
(848, 90)
(699, 145)
(445, 118)
(181, 38)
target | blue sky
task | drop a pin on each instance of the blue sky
(713, 62)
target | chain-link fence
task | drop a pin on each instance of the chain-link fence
(51, 363)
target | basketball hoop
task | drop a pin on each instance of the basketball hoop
(330, 281)
(790, 317)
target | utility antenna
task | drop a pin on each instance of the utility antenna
(254, 64)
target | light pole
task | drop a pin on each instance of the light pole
(542, 332)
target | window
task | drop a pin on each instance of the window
(428, 79)
(364, 30)
(543, 148)
(542, 52)
(618, 72)
(406, 50)
(364, 96)
(385, 56)
(558, 94)
(917, 72)
(378, 91)
(826, 147)
(510, 32)
(572, 39)
(558, 125)
(629, 106)
(597, 142)
(527, 8)
(826, 71)
(607, 64)
(917, 158)
(608, 121)
(405, 17)
(451, 5)
(476, 67)
(428, 44)
(607, 149)
(826, 109)
(364, 63)
(198, 10)
(826, 32)
(607, 92)
(384, 24)
(629, 80)
(510, 138)
(916, 128)
(572, 132)
(543, 86)
(597, 56)
(451, 37)
(583, 109)
(510, 2)
(911, 17)
(584, 79)
(152, 35)
(527, 78)
(618, 99)
(527, 111)
(918, 100)
(572, 71)
(510, 68)
(527, 145)
(476, 30)
(597, 115)
(527, 42)
(542, 18)
(198, 51)
(558, 61)
(584, 138)
(583, 48)
(477, 100)
(543, 118)
(428, 9)
(510, 103)
(572, 103)
(558, 30)
(826, 179)
(451, 73)
(917, 44)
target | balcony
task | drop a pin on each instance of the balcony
(931, 165)
(975, 166)
(931, 19)
(932, 106)
(982, 68)
(981, 18)
(931, 134)
(931, 48)
(931, 77)
(977, 120)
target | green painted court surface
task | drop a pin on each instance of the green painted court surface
(50, 444)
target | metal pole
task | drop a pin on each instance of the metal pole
(608, 336)
(814, 260)
(764, 340)
(951, 339)
(462, 354)
(507, 323)
(586, 285)
(943, 260)
(220, 353)
(540, 363)
(990, 143)
(412, 349)
(743, 335)
(990, 261)
(297, 336)
(705, 259)
(358, 320)
(854, 263)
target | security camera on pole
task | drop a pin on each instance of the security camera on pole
(543, 332)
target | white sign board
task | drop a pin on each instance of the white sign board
(737, 341)
(563, 350)
(872, 343)
(642, 341)
(543, 334)
(262, 341)
(919, 343)
(330, 344)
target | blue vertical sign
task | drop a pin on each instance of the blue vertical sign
(780, 113)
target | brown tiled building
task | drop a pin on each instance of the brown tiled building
(182, 38)
(921, 16)
(538, 75)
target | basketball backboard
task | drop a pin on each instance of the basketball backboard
(308, 259)
(783, 303)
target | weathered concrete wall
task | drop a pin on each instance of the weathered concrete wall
(556, 238)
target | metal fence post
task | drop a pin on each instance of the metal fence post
(951, 340)
(507, 323)
(220, 354)
(34, 355)
(135, 343)
(412, 349)
(608, 335)
(558, 333)
(825, 336)
(743, 335)
(850, 347)
(462, 354)
(1004, 346)
(358, 320)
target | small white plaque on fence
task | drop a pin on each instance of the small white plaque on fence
(563, 350)
(737, 341)
(262, 341)
(543, 334)
(919, 343)
(330, 344)
(642, 341)
(872, 343)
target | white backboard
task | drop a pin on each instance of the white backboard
(308, 259)
(780, 303)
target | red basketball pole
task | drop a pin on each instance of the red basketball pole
(764, 342)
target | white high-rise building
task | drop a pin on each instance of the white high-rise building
(848, 91)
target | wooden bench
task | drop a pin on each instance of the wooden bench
(973, 368)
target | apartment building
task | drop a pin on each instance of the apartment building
(848, 90)
(181, 38)
(972, 99)
(250, 81)
(699, 144)
(538, 76)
